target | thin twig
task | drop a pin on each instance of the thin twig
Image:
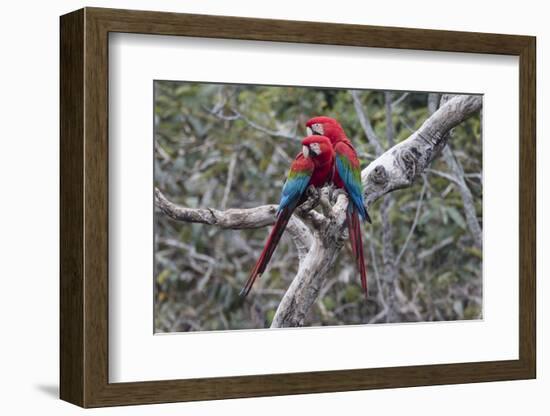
(415, 222)
(400, 99)
(445, 175)
(230, 173)
(239, 116)
(366, 124)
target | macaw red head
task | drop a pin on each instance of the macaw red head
(326, 126)
(317, 148)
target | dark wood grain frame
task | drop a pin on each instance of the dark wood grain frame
(84, 207)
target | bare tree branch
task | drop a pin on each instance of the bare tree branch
(428, 252)
(311, 274)
(389, 265)
(400, 99)
(466, 194)
(234, 218)
(380, 291)
(388, 95)
(388, 253)
(399, 166)
(240, 219)
(230, 174)
(458, 173)
(415, 222)
(239, 116)
(448, 176)
(366, 124)
(301, 236)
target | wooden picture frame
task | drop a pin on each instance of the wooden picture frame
(84, 207)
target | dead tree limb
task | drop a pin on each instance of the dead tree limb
(238, 219)
(398, 167)
(457, 172)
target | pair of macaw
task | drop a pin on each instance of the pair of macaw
(327, 156)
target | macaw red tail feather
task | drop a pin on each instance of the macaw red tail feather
(354, 228)
(269, 249)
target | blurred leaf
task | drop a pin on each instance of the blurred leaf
(456, 217)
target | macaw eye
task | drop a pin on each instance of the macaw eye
(318, 129)
(315, 149)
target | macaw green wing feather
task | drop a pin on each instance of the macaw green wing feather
(296, 183)
(349, 171)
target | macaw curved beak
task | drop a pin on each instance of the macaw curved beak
(305, 151)
(309, 131)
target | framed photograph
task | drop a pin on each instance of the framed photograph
(255, 207)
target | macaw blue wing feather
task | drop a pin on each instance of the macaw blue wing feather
(351, 176)
(294, 188)
(296, 183)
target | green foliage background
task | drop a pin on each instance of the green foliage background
(202, 130)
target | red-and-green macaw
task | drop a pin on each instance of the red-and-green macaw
(314, 165)
(347, 176)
